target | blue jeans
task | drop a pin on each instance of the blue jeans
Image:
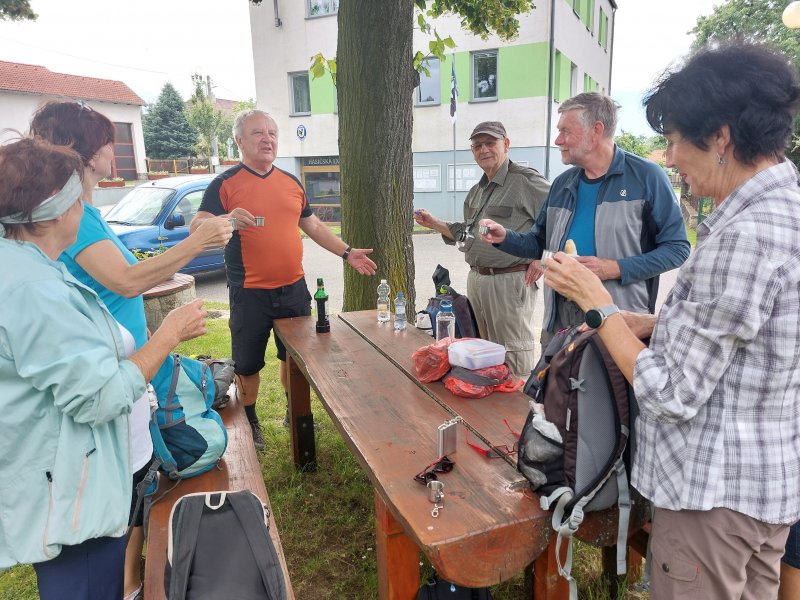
(91, 570)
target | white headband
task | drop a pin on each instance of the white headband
(51, 208)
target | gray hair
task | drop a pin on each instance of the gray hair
(238, 122)
(594, 107)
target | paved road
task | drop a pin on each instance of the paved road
(428, 252)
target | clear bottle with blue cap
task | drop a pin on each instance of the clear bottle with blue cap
(445, 321)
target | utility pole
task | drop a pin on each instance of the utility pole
(214, 161)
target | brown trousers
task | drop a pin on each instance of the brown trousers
(717, 554)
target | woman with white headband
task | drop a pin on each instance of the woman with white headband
(68, 388)
(100, 260)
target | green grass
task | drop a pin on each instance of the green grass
(325, 519)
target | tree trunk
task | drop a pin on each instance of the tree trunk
(375, 83)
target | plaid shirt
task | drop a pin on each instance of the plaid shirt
(719, 387)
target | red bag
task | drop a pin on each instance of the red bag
(479, 383)
(431, 362)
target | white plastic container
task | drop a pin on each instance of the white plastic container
(476, 354)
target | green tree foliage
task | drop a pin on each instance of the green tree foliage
(749, 20)
(636, 144)
(16, 10)
(167, 133)
(209, 122)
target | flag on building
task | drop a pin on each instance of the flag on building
(453, 92)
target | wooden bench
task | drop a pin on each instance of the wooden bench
(238, 470)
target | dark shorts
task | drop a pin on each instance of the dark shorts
(252, 313)
(138, 519)
(792, 556)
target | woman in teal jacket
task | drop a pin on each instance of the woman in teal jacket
(68, 388)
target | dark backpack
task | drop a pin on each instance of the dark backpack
(466, 325)
(587, 399)
(222, 372)
(219, 547)
(439, 589)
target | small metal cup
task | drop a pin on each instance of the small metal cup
(436, 491)
(233, 223)
(259, 221)
(545, 255)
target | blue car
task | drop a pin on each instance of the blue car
(157, 214)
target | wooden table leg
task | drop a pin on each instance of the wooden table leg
(547, 583)
(398, 557)
(301, 420)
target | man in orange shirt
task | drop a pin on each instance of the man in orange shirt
(264, 263)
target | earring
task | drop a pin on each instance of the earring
(720, 160)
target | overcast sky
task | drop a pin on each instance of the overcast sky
(147, 43)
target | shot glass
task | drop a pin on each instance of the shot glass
(233, 223)
(259, 221)
(436, 491)
(545, 255)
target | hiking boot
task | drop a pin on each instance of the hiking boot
(258, 436)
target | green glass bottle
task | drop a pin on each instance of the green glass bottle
(321, 297)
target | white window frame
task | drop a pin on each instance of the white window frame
(321, 8)
(436, 82)
(292, 78)
(473, 84)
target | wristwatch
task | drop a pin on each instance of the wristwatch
(595, 317)
(346, 253)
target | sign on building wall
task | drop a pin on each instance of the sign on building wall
(320, 161)
(466, 176)
(427, 178)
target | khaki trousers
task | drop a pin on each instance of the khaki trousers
(717, 554)
(503, 307)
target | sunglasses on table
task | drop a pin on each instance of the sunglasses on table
(429, 473)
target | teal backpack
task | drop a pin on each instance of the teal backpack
(188, 435)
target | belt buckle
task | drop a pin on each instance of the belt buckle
(491, 270)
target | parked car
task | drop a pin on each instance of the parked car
(157, 214)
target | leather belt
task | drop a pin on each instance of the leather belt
(499, 270)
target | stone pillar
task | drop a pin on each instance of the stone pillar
(172, 293)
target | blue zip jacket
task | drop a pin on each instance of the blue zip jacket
(638, 223)
(65, 473)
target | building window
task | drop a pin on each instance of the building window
(301, 98)
(602, 37)
(322, 8)
(573, 80)
(429, 90)
(566, 78)
(484, 75)
(124, 164)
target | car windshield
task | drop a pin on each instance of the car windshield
(140, 206)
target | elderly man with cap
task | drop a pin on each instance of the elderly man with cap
(499, 286)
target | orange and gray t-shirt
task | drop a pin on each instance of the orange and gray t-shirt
(265, 257)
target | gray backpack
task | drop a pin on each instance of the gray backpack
(573, 453)
(219, 547)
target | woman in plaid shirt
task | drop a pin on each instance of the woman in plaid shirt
(718, 436)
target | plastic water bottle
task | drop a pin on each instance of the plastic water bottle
(445, 321)
(383, 302)
(400, 312)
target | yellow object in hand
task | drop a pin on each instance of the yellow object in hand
(570, 249)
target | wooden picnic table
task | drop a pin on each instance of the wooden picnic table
(491, 526)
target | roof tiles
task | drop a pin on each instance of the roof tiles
(34, 79)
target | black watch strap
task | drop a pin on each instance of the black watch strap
(346, 253)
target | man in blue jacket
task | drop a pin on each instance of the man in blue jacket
(618, 208)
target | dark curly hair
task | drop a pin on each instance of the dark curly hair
(75, 125)
(748, 87)
(32, 170)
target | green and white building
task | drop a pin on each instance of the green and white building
(564, 47)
